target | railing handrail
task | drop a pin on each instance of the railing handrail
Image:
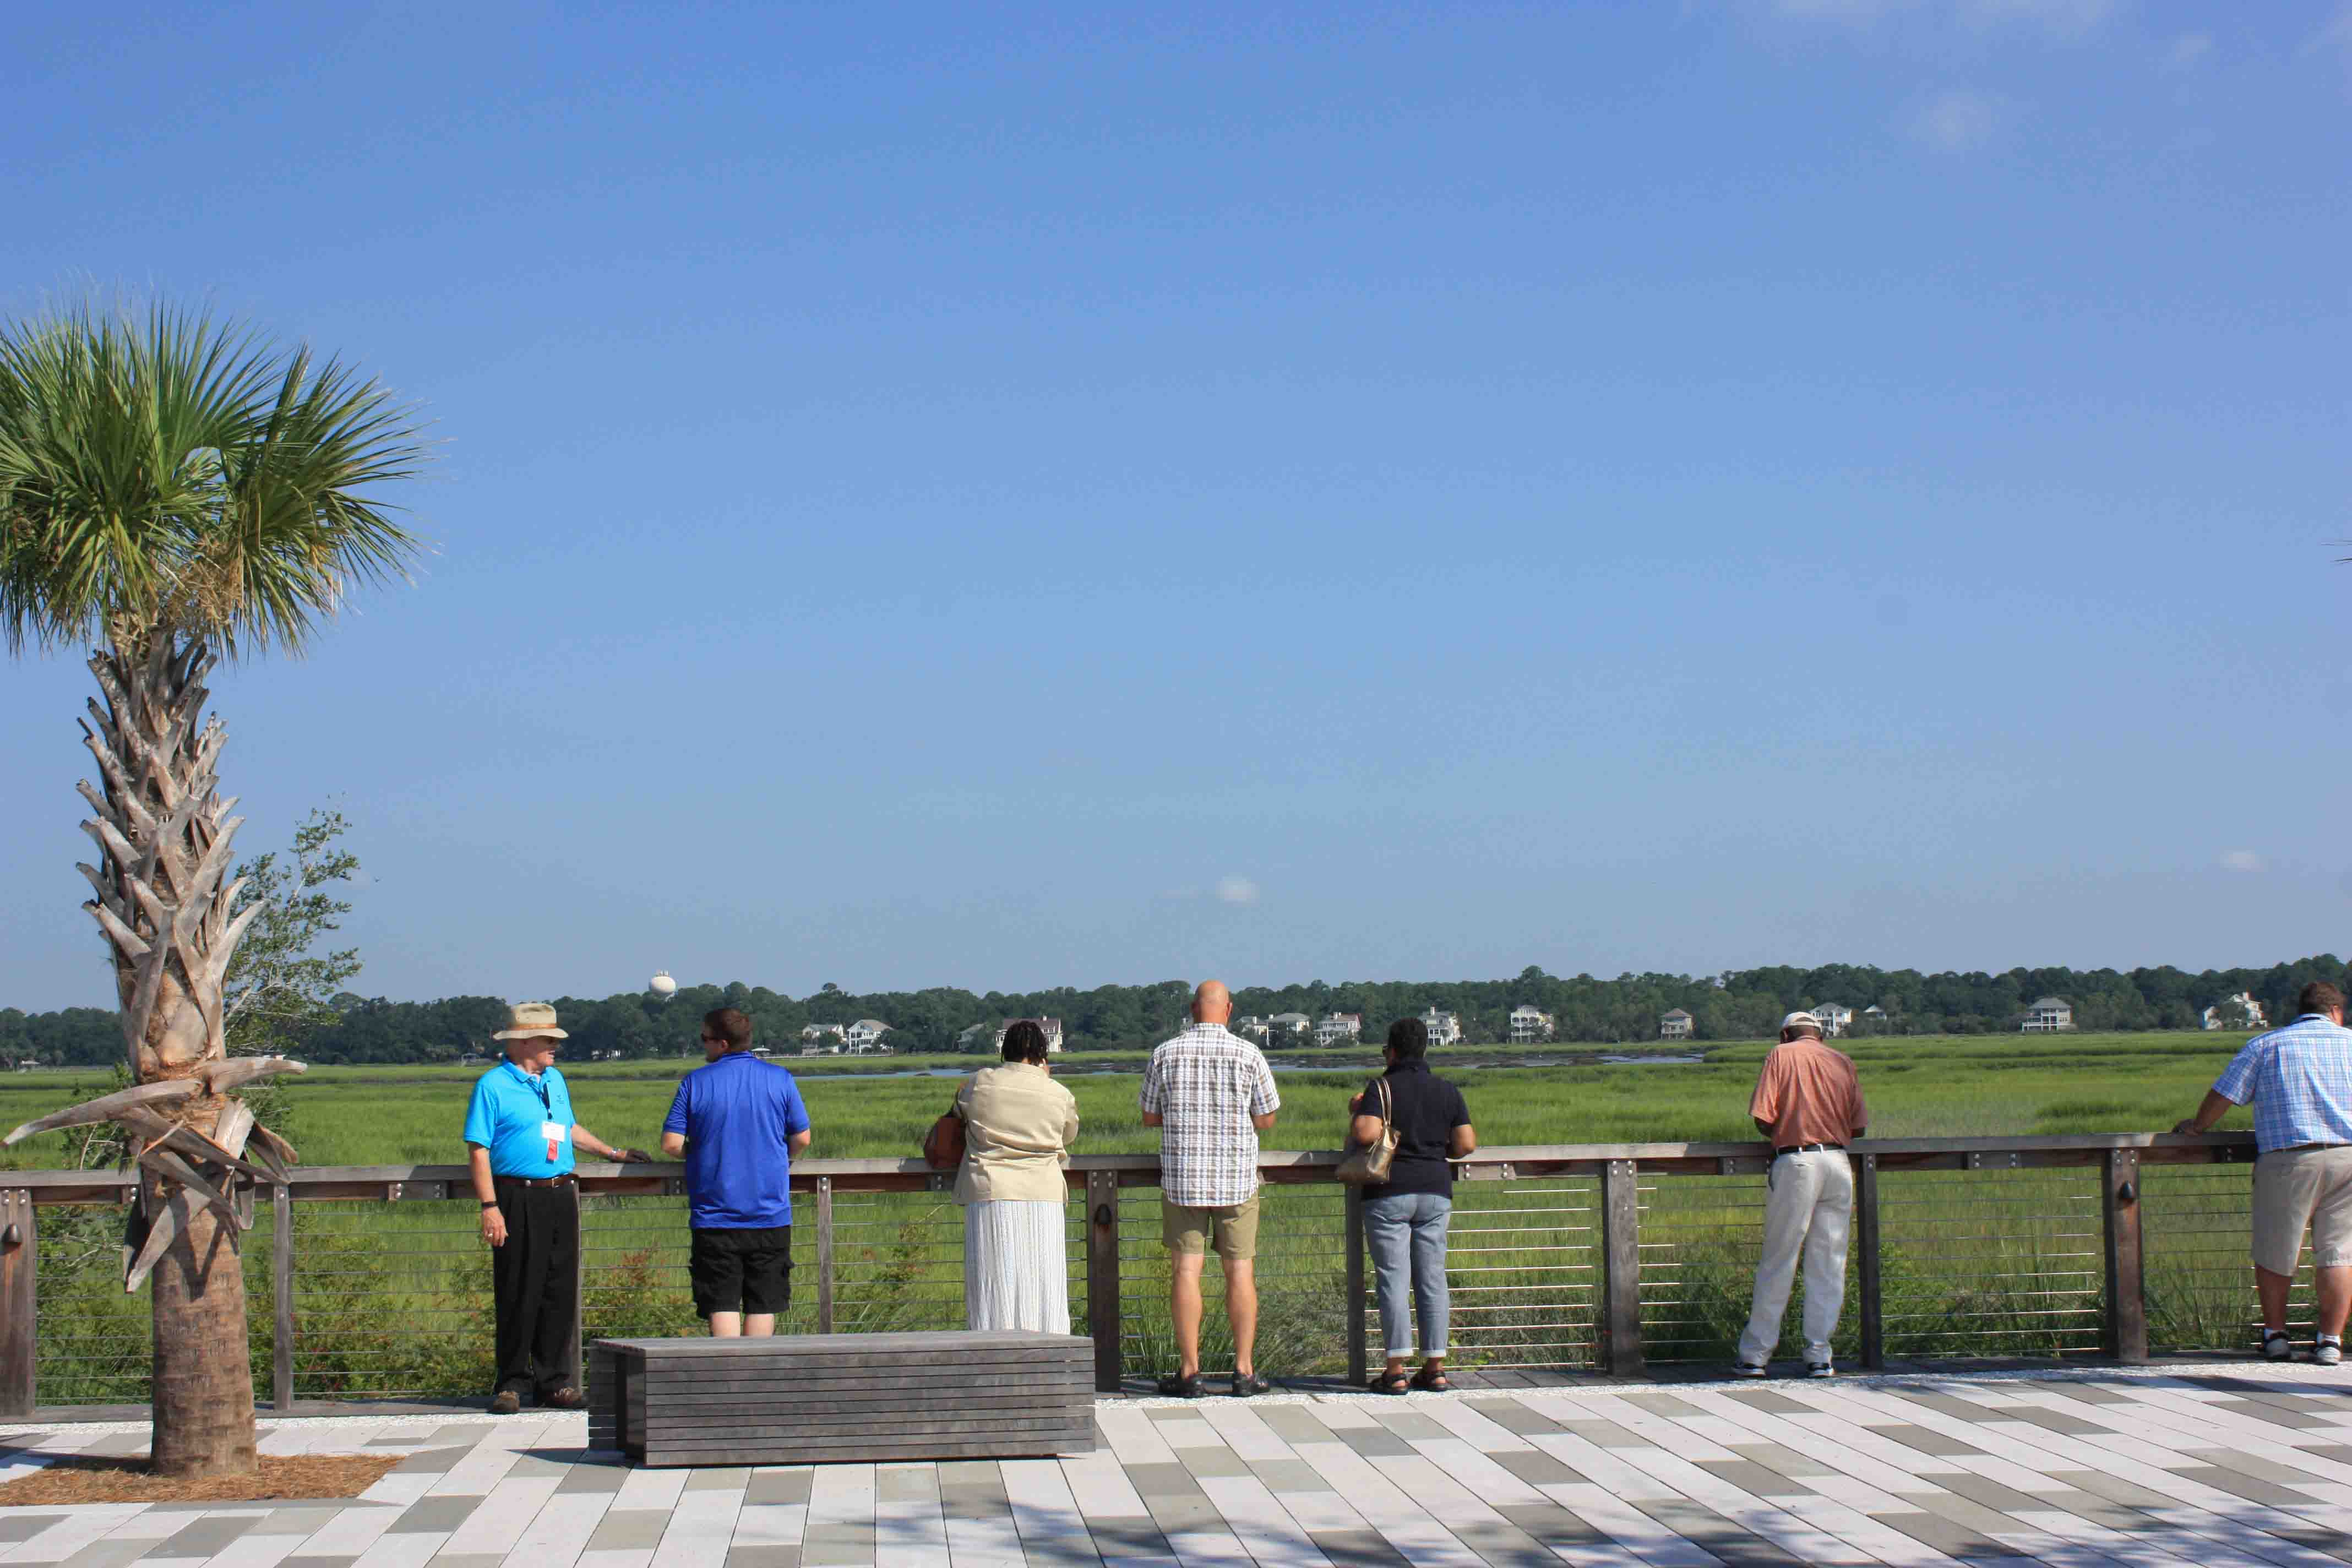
(1275, 1165)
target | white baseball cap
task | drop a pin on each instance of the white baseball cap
(1800, 1021)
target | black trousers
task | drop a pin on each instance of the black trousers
(534, 1282)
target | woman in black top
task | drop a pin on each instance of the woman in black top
(1405, 1218)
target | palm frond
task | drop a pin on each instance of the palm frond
(170, 472)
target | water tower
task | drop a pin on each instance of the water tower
(662, 986)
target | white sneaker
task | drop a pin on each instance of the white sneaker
(2276, 1346)
(1820, 1369)
(1746, 1369)
(2328, 1352)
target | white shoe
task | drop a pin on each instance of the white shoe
(2328, 1352)
(1820, 1369)
(2276, 1346)
(1746, 1369)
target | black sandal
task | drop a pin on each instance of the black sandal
(1430, 1381)
(1387, 1383)
(1176, 1385)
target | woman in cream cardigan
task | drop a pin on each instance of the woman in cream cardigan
(1018, 1128)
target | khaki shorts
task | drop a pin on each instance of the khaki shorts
(2299, 1187)
(1233, 1230)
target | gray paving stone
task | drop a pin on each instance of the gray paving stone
(19, 1527)
(1295, 1423)
(1926, 1440)
(958, 1472)
(1376, 1443)
(1704, 1527)
(1950, 1404)
(2090, 1392)
(2239, 1484)
(1769, 1403)
(527, 1466)
(974, 1499)
(1176, 1512)
(1512, 1416)
(1772, 1457)
(1966, 1513)
(1951, 1539)
(592, 1478)
(1757, 1480)
(433, 1515)
(1128, 1538)
(1502, 1545)
(2114, 1490)
(1993, 1494)
(432, 1461)
(764, 1557)
(1174, 1415)
(206, 1537)
(1288, 1475)
(839, 1540)
(630, 1529)
(1538, 1468)
(1553, 1525)
(720, 1479)
(910, 1485)
(468, 1559)
(469, 1433)
(1607, 1434)
(2253, 1465)
(2058, 1421)
(2316, 1537)
(1162, 1479)
(1214, 1461)
(1359, 1549)
(110, 1554)
(778, 1485)
(1060, 1552)
(1661, 1404)
(317, 1562)
(1410, 1423)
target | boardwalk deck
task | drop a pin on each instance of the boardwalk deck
(2245, 1466)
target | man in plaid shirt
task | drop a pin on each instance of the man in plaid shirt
(2299, 1081)
(1209, 1093)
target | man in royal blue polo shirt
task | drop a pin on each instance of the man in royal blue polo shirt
(738, 1122)
(519, 1134)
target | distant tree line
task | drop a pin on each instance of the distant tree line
(1744, 1004)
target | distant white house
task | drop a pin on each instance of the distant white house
(1445, 1029)
(2047, 1016)
(1251, 1028)
(1675, 1026)
(1053, 1027)
(821, 1039)
(2239, 1012)
(1289, 1027)
(762, 1052)
(864, 1038)
(1338, 1027)
(1875, 1015)
(1835, 1017)
(1530, 1026)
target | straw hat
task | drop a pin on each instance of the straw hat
(526, 1020)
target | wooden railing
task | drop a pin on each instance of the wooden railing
(1616, 1170)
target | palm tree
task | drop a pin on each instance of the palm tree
(175, 489)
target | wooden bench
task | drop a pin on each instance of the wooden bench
(804, 1398)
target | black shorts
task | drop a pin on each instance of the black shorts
(741, 1270)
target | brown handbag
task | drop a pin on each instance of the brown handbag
(943, 1145)
(1367, 1165)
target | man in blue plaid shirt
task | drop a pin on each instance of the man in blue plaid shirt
(2299, 1081)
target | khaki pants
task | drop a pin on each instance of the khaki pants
(2295, 1188)
(1806, 1215)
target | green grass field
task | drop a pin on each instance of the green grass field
(393, 1298)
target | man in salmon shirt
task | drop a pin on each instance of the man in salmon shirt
(1808, 1101)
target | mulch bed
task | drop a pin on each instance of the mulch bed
(80, 1478)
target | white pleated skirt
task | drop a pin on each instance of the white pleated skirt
(1016, 1272)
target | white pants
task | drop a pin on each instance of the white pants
(1807, 1212)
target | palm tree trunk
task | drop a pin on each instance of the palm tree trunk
(163, 834)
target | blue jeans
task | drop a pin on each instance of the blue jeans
(1405, 1233)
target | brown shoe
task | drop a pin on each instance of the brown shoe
(564, 1399)
(508, 1403)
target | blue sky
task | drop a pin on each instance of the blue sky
(1024, 495)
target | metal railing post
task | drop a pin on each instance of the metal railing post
(1621, 1246)
(2127, 1299)
(281, 1263)
(579, 1348)
(1872, 1300)
(20, 1275)
(1358, 1357)
(824, 1255)
(1102, 1278)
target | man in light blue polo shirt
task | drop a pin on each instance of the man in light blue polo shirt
(2299, 1081)
(738, 1122)
(520, 1135)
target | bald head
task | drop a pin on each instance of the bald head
(1212, 1002)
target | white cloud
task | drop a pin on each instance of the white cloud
(2241, 861)
(1955, 121)
(2186, 50)
(1236, 890)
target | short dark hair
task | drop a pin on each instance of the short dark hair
(1024, 1041)
(1409, 1038)
(729, 1024)
(2319, 997)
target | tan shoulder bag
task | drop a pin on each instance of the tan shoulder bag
(1367, 1165)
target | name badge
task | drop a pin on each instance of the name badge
(557, 1134)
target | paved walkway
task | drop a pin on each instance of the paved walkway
(2243, 1468)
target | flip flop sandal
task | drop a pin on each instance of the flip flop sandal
(1432, 1384)
(1387, 1383)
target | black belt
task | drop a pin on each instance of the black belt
(1807, 1149)
(536, 1181)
